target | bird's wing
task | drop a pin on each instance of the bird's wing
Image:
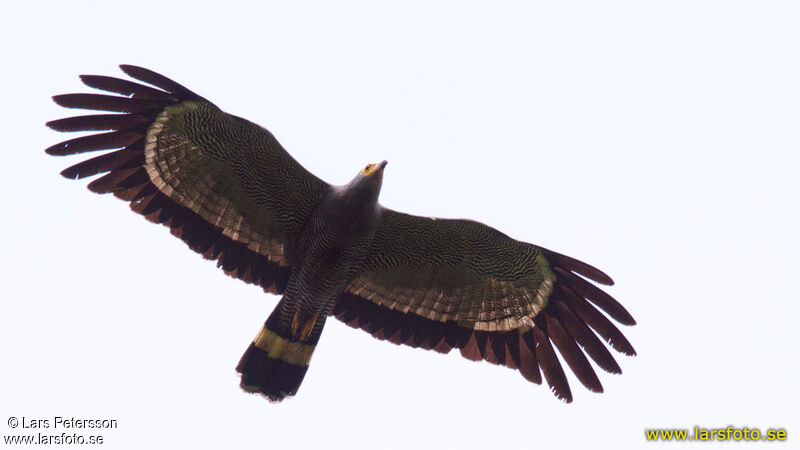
(220, 183)
(443, 283)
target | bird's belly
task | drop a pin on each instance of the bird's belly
(325, 273)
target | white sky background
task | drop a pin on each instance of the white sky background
(656, 140)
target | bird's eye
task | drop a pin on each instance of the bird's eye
(369, 166)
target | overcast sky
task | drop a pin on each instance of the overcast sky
(658, 141)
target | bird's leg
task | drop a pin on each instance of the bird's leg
(295, 323)
(308, 326)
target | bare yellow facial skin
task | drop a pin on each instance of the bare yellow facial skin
(373, 168)
(370, 169)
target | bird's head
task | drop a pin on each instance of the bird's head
(374, 169)
(371, 174)
(366, 185)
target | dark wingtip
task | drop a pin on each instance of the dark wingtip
(622, 346)
(625, 319)
(133, 70)
(578, 266)
(96, 81)
(56, 150)
(130, 67)
(158, 80)
(594, 294)
(70, 174)
(600, 277)
(564, 397)
(594, 274)
(59, 100)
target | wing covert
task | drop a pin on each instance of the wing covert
(457, 270)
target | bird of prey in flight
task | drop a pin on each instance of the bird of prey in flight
(227, 188)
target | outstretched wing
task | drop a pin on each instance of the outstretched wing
(222, 184)
(442, 284)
